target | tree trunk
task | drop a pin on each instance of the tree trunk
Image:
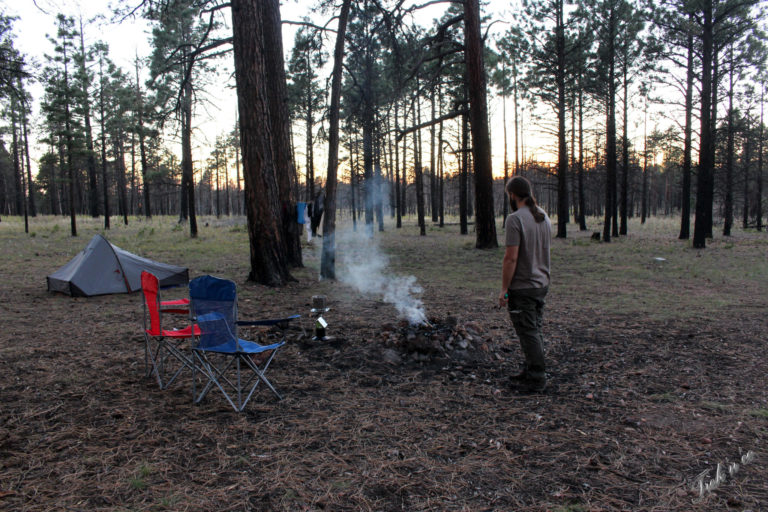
(378, 195)
(328, 258)
(730, 136)
(122, 193)
(277, 101)
(759, 205)
(187, 171)
(625, 146)
(432, 174)
(562, 150)
(715, 135)
(142, 146)
(610, 132)
(310, 170)
(417, 170)
(582, 218)
(644, 196)
(353, 179)
(504, 199)
(18, 195)
(239, 208)
(747, 161)
(132, 203)
(93, 188)
(705, 157)
(398, 196)
(102, 121)
(441, 163)
(30, 183)
(685, 222)
(463, 175)
(573, 173)
(269, 262)
(391, 170)
(70, 149)
(485, 223)
(518, 144)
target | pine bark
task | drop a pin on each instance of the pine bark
(328, 258)
(485, 223)
(102, 121)
(269, 263)
(747, 161)
(730, 147)
(705, 156)
(625, 147)
(417, 170)
(277, 100)
(142, 146)
(610, 131)
(759, 205)
(562, 159)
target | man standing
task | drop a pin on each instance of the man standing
(525, 278)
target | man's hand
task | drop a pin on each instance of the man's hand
(503, 299)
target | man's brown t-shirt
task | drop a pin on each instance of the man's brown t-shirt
(533, 239)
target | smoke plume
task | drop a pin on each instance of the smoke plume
(364, 266)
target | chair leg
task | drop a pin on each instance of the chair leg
(175, 351)
(261, 375)
(240, 386)
(154, 358)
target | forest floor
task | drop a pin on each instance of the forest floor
(656, 353)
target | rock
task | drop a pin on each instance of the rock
(474, 326)
(463, 344)
(391, 356)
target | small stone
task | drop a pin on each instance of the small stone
(590, 396)
(390, 356)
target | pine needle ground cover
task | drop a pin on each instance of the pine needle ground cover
(656, 353)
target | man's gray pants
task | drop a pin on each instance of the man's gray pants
(526, 309)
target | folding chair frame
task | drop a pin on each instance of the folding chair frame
(223, 366)
(218, 376)
(167, 343)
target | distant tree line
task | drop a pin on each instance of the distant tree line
(403, 120)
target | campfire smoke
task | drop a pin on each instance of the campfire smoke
(364, 266)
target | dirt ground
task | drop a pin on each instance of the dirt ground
(657, 362)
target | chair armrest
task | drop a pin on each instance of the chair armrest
(280, 322)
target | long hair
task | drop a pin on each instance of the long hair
(521, 188)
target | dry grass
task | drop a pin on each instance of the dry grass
(658, 374)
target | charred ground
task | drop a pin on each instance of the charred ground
(657, 370)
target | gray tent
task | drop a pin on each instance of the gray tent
(102, 268)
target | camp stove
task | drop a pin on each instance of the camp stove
(316, 313)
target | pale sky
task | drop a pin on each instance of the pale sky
(131, 37)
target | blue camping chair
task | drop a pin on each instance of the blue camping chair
(220, 355)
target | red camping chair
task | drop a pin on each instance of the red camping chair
(161, 345)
